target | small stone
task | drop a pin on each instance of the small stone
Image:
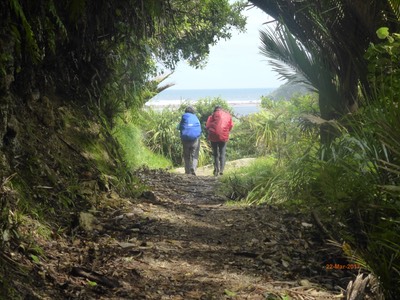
(268, 261)
(125, 245)
(306, 225)
(305, 282)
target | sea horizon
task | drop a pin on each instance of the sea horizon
(243, 100)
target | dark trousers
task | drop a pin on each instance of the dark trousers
(219, 153)
(191, 155)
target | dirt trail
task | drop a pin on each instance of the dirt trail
(180, 241)
(208, 169)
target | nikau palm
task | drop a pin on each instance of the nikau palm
(299, 65)
(333, 36)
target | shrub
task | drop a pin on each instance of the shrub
(160, 132)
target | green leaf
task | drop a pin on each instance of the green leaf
(382, 32)
(229, 293)
(35, 259)
(92, 283)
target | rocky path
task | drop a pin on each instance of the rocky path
(181, 241)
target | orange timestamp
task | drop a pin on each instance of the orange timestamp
(342, 266)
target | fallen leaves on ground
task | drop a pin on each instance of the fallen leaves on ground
(181, 241)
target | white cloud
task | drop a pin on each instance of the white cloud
(236, 63)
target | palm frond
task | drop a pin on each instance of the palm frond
(294, 62)
(395, 5)
(283, 54)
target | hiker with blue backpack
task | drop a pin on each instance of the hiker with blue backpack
(190, 129)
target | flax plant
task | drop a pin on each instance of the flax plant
(161, 134)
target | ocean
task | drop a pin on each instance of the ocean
(243, 101)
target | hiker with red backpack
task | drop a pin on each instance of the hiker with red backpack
(219, 125)
(190, 129)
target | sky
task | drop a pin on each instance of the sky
(235, 63)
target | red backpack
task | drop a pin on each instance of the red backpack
(219, 124)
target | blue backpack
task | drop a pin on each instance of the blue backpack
(190, 127)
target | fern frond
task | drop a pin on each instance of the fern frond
(53, 11)
(395, 5)
(32, 45)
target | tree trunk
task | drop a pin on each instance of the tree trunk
(6, 103)
(327, 131)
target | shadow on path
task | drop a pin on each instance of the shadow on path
(181, 241)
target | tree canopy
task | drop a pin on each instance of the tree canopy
(81, 47)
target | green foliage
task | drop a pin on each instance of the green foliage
(241, 140)
(288, 91)
(302, 65)
(161, 134)
(35, 31)
(197, 26)
(382, 256)
(319, 44)
(384, 59)
(32, 46)
(279, 132)
(273, 129)
(352, 184)
(286, 179)
(136, 153)
(108, 50)
(172, 36)
(379, 212)
(205, 153)
(238, 183)
(349, 188)
(380, 127)
(8, 221)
